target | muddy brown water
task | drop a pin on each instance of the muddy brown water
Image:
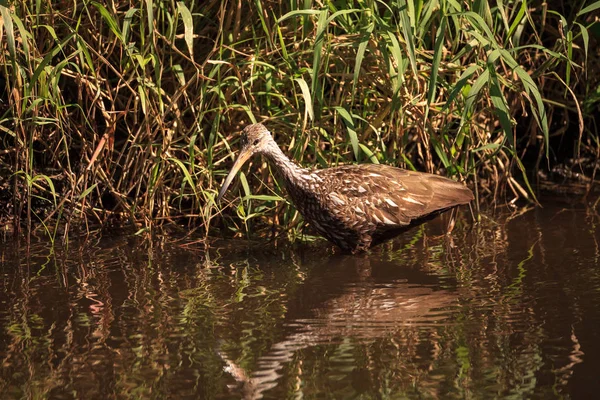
(507, 308)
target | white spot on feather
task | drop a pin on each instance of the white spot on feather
(388, 221)
(336, 199)
(391, 203)
(361, 189)
(358, 210)
(409, 199)
(374, 175)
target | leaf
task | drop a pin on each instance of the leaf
(297, 13)
(10, 33)
(349, 122)
(263, 197)
(25, 35)
(502, 10)
(500, 107)
(282, 45)
(539, 113)
(47, 59)
(307, 97)
(360, 54)
(369, 153)
(186, 174)
(342, 12)
(435, 64)
(439, 150)
(462, 81)
(396, 52)
(481, 81)
(108, 18)
(127, 24)
(489, 146)
(524, 172)
(150, 13)
(50, 185)
(142, 93)
(456, 5)
(585, 36)
(188, 25)
(81, 45)
(590, 8)
(479, 22)
(178, 72)
(516, 50)
(517, 20)
(245, 185)
(407, 32)
(316, 65)
(87, 191)
(412, 12)
(154, 175)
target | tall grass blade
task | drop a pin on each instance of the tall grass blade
(592, 7)
(349, 122)
(517, 20)
(25, 36)
(188, 26)
(460, 84)
(360, 53)
(46, 60)
(296, 13)
(108, 18)
(398, 60)
(318, 48)
(435, 64)
(150, 16)
(307, 98)
(585, 37)
(539, 111)
(500, 106)
(127, 21)
(407, 32)
(10, 36)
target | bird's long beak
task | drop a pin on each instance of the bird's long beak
(244, 155)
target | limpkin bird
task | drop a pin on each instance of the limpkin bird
(354, 206)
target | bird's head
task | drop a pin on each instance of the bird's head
(255, 139)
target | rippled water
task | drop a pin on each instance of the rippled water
(506, 308)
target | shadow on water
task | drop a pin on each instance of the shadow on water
(506, 308)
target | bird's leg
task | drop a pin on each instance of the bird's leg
(363, 244)
(451, 222)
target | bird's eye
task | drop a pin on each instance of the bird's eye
(256, 142)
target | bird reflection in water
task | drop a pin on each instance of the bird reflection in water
(374, 300)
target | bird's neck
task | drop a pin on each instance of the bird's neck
(293, 174)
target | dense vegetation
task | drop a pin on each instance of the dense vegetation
(113, 111)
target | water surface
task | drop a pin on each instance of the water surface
(507, 308)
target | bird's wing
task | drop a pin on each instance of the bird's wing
(391, 196)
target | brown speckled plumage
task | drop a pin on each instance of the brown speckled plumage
(354, 206)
